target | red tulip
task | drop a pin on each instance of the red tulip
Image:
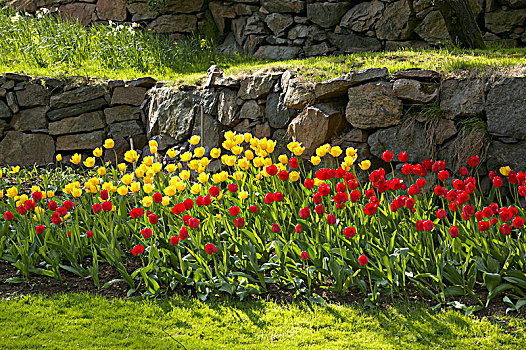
(107, 206)
(210, 248)
(464, 171)
(234, 210)
(349, 232)
(157, 197)
(271, 170)
(21, 210)
(136, 213)
(193, 223)
(403, 157)
(146, 232)
(8, 216)
(89, 234)
(232, 188)
(362, 260)
(174, 240)
(55, 218)
(304, 255)
(319, 209)
(370, 209)
(441, 214)
(308, 183)
(188, 203)
(453, 231)
(214, 191)
(497, 182)
(505, 229)
(253, 208)
(68, 204)
(62, 211)
(239, 222)
(283, 175)
(52, 205)
(518, 222)
(305, 213)
(473, 161)
(183, 233)
(484, 225)
(298, 228)
(407, 169)
(104, 195)
(278, 196)
(293, 163)
(443, 175)
(40, 229)
(331, 219)
(138, 249)
(387, 156)
(269, 198)
(97, 208)
(275, 228)
(37, 196)
(153, 219)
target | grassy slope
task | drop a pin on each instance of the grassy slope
(85, 321)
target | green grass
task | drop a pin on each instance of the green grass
(80, 321)
(49, 47)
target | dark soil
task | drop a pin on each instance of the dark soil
(71, 283)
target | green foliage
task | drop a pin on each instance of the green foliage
(89, 322)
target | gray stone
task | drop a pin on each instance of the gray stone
(211, 136)
(284, 6)
(77, 109)
(79, 95)
(212, 74)
(141, 11)
(252, 110)
(3, 92)
(28, 150)
(33, 95)
(415, 91)
(81, 12)
(350, 43)
(127, 128)
(227, 108)
(145, 82)
(251, 45)
(373, 105)
(462, 97)
(174, 24)
(86, 141)
(397, 21)
(361, 17)
(256, 86)
(11, 102)
(444, 130)
(339, 86)
(408, 137)
(122, 113)
(244, 9)
(515, 3)
(83, 123)
(30, 119)
(298, 94)
(505, 109)
(278, 23)
(503, 21)
(316, 50)
(316, 125)
(418, 74)
(8, 85)
(184, 6)
(129, 95)
(276, 112)
(255, 25)
(17, 77)
(5, 111)
(327, 14)
(512, 155)
(262, 131)
(278, 52)
(220, 12)
(282, 139)
(111, 10)
(433, 28)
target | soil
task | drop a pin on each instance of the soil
(71, 283)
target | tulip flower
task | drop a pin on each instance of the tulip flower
(304, 255)
(362, 260)
(210, 249)
(137, 250)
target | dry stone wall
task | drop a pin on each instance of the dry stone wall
(283, 29)
(420, 111)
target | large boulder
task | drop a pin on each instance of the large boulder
(397, 21)
(211, 132)
(373, 105)
(122, 113)
(361, 17)
(504, 21)
(86, 141)
(350, 42)
(462, 97)
(502, 154)
(78, 95)
(433, 28)
(278, 23)
(174, 24)
(277, 114)
(252, 110)
(410, 137)
(284, 6)
(298, 94)
(256, 86)
(338, 86)
(228, 107)
(327, 14)
(77, 109)
(111, 10)
(127, 128)
(183, 6)
(506, 110)
(33, 95)
(18, 148)
(78, 11)
(129, 95)
(316, 125)
(84, 123)
(415, 91)
(30, 119)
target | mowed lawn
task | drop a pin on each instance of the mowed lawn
(82, 321)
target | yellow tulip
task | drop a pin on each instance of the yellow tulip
(196, 188)
(505, 170)
(50, 194)
(194, 140)
(153, 143)
(135, 187)
(267, 161)
(243, 163)
(180, 186)
(243, 195)
(204, 162)
(215, 152)
(97, 152)
(122, 167)
(294, 176)
(147, 201)
(351, 152)
(131, 156)
(203, 178)
(283, 159)
(166, 201)
(247, 137)
(12, 192)
(89, 162)
(169, 191)
(298, 150)
(315, 160)
(185, 157)
(171, 153)
(365, 164)
(58, 157)
(171, 168)
(139, 172)
(156, 168)
(76, 158)
(153, 150)
(101, 171)
(249, 155)
(127, 179)
(230, 135)
(185, 175)
(147, 188)
(148, 161)
(122, 190)
(109, 144)
(199, 152)
(77, 192)
(1, 194)
(335, 151)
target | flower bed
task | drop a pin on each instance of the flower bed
(267, 220)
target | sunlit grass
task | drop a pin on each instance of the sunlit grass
(83, 321)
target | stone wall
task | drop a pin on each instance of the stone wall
(283, 29)
(420, 111)
(40, 118)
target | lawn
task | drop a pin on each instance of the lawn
(81, 321)
(47, 47)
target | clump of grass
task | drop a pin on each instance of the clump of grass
(43, 44)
